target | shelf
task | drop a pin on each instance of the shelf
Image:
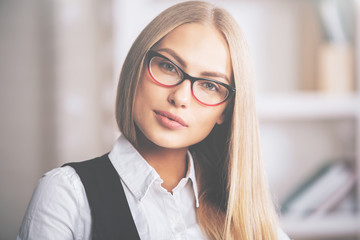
(308, 106)
(325, 227)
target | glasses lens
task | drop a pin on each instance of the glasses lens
(164, 71)
(210, 92)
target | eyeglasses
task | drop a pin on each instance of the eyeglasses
(168, 74)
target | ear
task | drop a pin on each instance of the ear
(221, 119)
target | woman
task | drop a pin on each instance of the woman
(188, 157)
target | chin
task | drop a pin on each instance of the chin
(169, 139)
(170, 142)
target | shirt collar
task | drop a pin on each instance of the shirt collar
(135, 171)
(192, 176)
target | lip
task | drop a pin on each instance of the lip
(170, 120)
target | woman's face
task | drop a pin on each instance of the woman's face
(171, 117)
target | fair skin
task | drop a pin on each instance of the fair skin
(202, 52)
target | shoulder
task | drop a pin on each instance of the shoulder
(66, 173)
(282, 235)
(57, 189)
(60, 179)
(58, 206)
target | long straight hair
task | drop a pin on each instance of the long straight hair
(234, 197)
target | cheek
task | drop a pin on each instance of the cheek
(148, 91)
(142, 95)
(138, 102)
(147, 96)
(142, 99)
(205, 121)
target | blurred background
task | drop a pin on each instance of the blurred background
(59, 65)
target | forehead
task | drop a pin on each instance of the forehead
(202, 48)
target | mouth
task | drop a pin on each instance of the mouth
(170, 120)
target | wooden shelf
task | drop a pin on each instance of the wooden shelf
(326, 227)
(307, 105)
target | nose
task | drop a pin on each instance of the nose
(180, 95)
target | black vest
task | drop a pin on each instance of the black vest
(110, 212)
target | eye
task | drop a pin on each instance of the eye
(168, 67)
(210, 86)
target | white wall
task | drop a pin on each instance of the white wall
(21, 137)
(56, 95)
(85, 88)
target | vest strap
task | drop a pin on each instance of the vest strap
(111, 215)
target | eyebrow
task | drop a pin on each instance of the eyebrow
(216, 74)
(174, 55)
(183, 64)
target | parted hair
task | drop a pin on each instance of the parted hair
(234, 197)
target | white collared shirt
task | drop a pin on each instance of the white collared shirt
(59, 208)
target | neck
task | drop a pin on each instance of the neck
(170, 164)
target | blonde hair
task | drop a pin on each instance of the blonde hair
(234, 198)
